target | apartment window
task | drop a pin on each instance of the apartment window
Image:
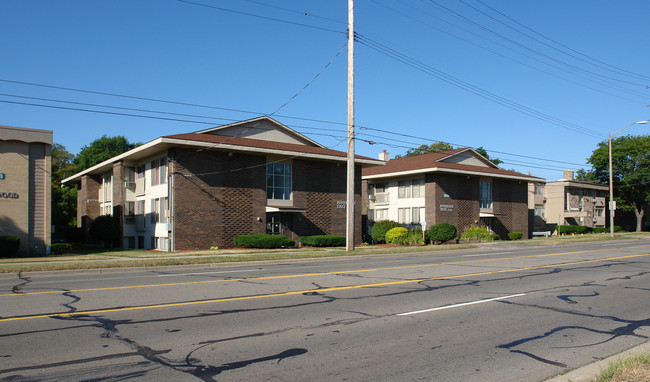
(485, 195)
(129, 242)
(417, 215)
(541, 212)
(155, 173)
(381, 214)
(155, 210)
(599, 212)
(162, 218)
(162, 170)
(377, 188)
(107, 187)
(404, 215)
(159, 171)
(540, 190)
(139, 172)
(412, 188)
(278, 181)
(129, 209)
(129, 174)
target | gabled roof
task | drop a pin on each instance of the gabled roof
(464, 161)
(263, 128)
(209, 141)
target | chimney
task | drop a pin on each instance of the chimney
(383, 155)
(568, 174)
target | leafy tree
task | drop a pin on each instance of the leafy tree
(102, 149)
(631, 172)
(64, 200)
(426, 149)
(482, 151)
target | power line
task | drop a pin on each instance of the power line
(511, 41)
(260, 16)
(483, 47)
(297, 12)
(474, 89)
(614, 68)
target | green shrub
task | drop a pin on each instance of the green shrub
(515, 235)
(61, 248)
(397, 235)
(106, 228)
(477, 233)
(415, 237)
(441, 232)
(9, 245)
(380, 228)
(494, 237)
(571, 229)
(323, 240)
(263, 240)
(601, 229)
(618, 228)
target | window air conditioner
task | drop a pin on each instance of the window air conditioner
(129, 184)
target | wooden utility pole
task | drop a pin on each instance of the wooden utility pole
(349, 228)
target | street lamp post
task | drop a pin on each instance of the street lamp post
(611, 177)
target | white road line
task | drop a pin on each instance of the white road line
(210, 273)
(488, 254)
(462, 304)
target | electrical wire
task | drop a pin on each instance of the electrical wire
(392, 53)
(483, 47)
(604, 64)
(260, 16)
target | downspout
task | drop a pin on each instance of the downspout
(172, 245)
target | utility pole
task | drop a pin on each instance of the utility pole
(349, 228)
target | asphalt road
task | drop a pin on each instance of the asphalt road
(497, 313)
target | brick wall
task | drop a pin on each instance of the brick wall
(320, 189)
(510, 204)
(452, 199)
(87, 202)
(217, 196)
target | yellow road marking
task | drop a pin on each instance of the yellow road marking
(307, 274)
(382, 284)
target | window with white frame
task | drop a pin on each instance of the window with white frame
(404, 215)
(485, 195)
(159, 171)
(541, 212)
(417, 215)
(381, 214)
(411, 188)
(278, 181)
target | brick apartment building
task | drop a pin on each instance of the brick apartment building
(457, 186)
(199, 190)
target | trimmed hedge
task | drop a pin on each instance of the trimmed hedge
(441, 232)
(601, 229)
(61, 248)
(515, 235)
(396, 235)
(572, 229)
(9, 245)
(380, 228)
(478, 233)
(263, 240)
(323, 240)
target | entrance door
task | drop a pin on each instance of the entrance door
(274, 225)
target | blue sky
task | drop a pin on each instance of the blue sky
(536, 83)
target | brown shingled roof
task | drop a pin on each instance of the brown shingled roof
(261, 144)
(433, 160)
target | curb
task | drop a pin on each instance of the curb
(591, 372)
